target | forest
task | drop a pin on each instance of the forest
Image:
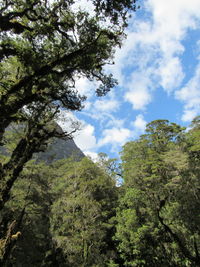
(71, 213)
(139, 210)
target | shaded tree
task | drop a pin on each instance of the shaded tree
(29, 208)
(45, 47)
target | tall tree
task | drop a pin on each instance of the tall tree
(45, 47)
(85, 201)
(158, 215)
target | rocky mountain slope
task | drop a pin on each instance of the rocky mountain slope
(60, 149)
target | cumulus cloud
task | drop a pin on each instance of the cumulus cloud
(150, 58)
(140, 123)
(171, 74)
(114, 136)
(104, 110)
(85, 138)
(173, 17)
(115, 122)
(138, 97)
(154, 48)
(84, 5)
(68, 121)
(138, 94)
(85, 87)
(107, 105)
(190, 96)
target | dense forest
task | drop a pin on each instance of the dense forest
(70, 211)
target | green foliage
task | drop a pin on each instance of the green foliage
(84, 203)
(29, 206)
(72, 214)
(158, 216)
(46, 46)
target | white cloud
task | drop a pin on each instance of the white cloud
(189, 115)
(85, 87)
(102, 111)
(84, 5)
(190, 96)
(171, 74)
(139, 98)
(150, 58)
(114, 122)
(87, 105)
(114, 136)
(68, 121)
(173, 17)
(85, 138)
(138, 94)
(139, 123)
(92, 155)
(154, 48)
(107, 105)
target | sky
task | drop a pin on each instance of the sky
(158, 73)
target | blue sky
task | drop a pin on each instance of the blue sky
(158, 70)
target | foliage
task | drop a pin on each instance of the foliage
(29, 206)
(84, 203)
(72, 214)
(46, 46)
(158, 218)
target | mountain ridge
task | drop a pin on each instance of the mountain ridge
(58, 148)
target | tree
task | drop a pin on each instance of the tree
(29, 209)
(34, 138)
(45, 47)
(110, 165)
(158, 214)
(85, 198)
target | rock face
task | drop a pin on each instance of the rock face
(60, 149)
